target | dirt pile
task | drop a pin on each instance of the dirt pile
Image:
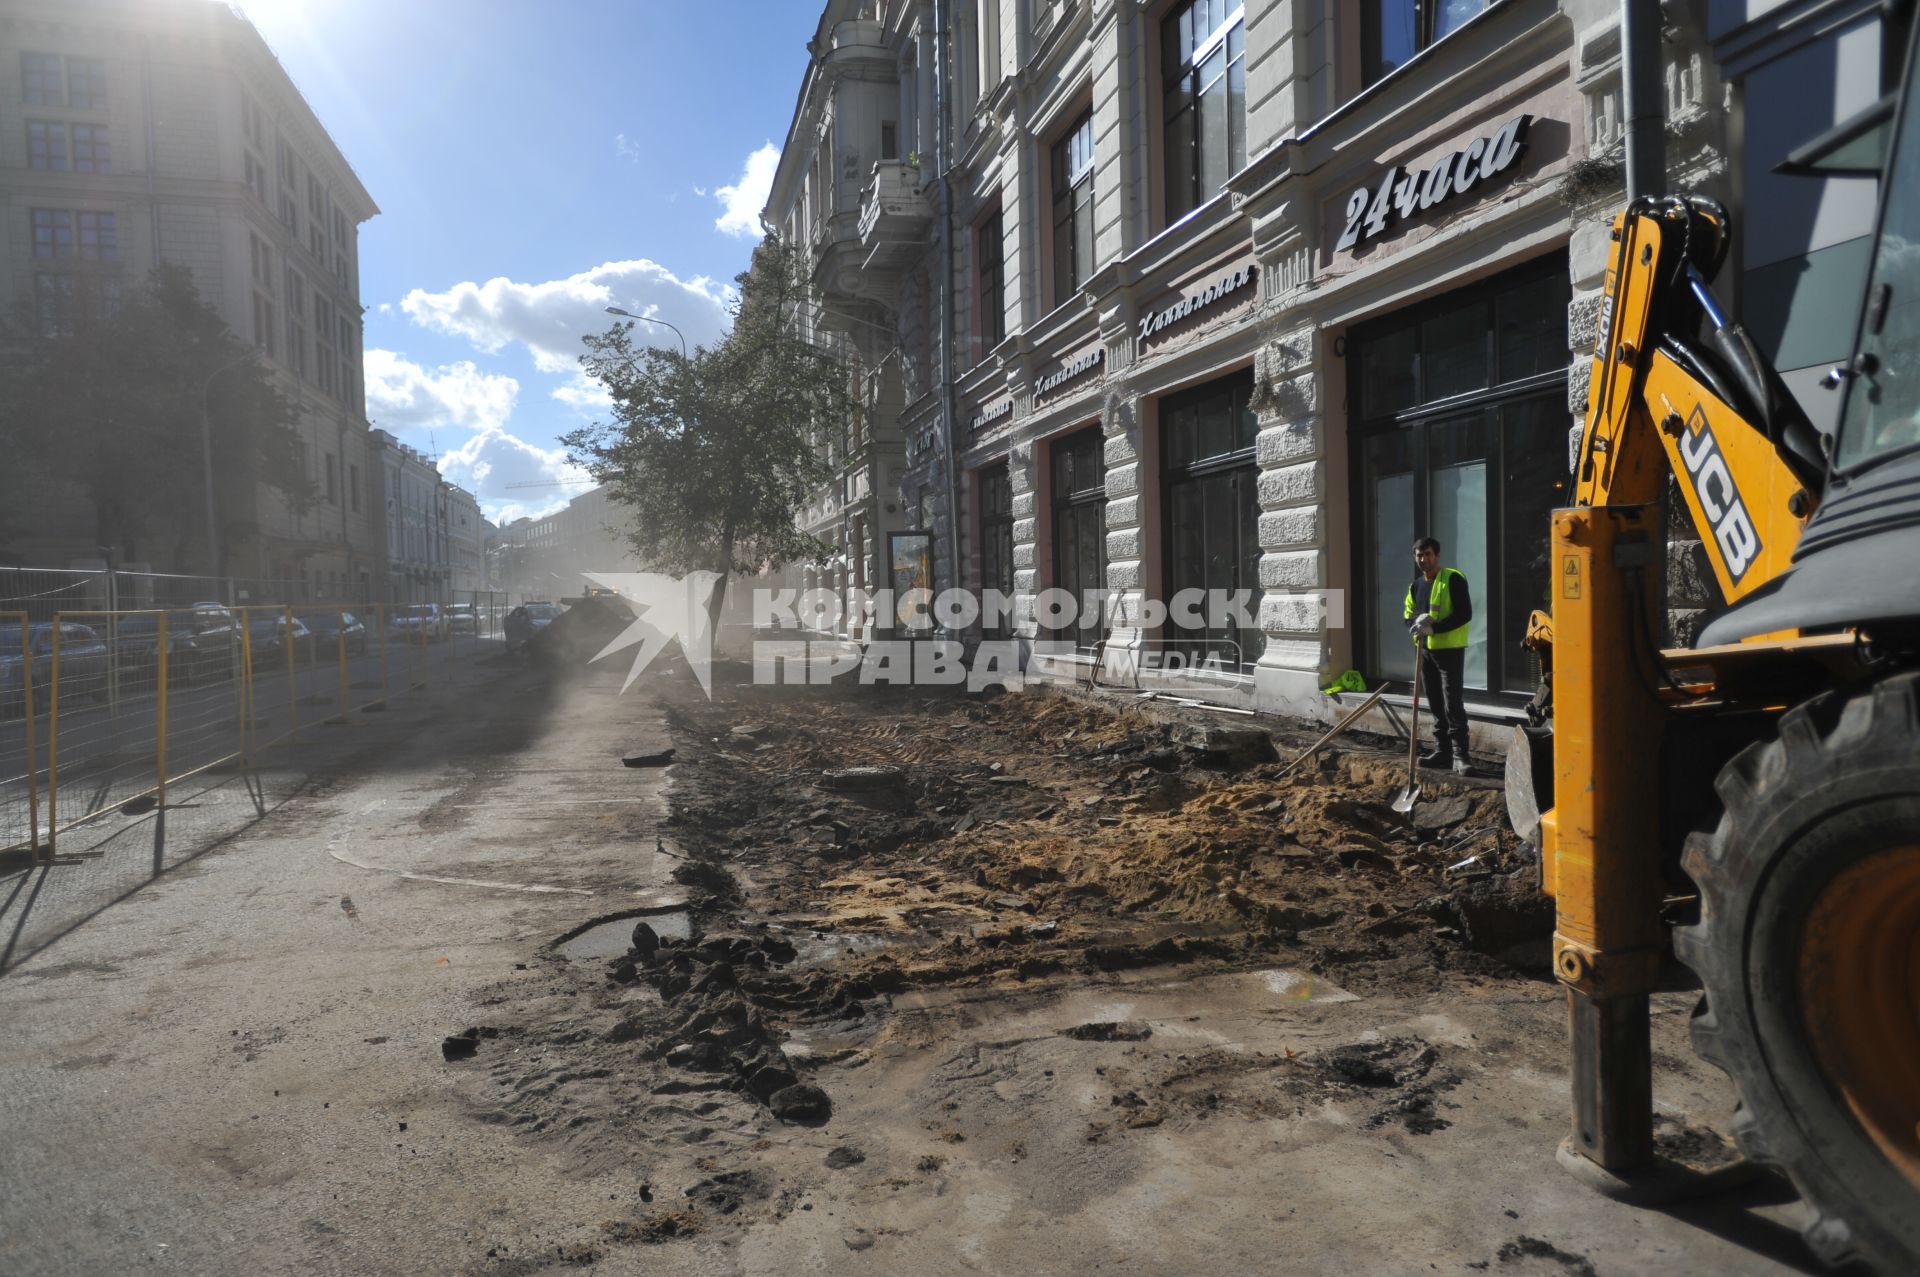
(1001, 825)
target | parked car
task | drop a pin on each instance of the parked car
(200, 645)
(462, 619)
(329, 626)
(527, 620)
(83, 664)
(411, 620)
(269, 635)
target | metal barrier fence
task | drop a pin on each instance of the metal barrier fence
(103, 711)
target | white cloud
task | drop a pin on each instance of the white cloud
(403, 395)
(626, 148)
(745, 198)
(550, 318)
(512, 477)
(701, 191)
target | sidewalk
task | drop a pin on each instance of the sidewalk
(237, 1068)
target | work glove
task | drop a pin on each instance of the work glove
(1423, 625)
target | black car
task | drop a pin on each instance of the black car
(200, 645)
(269, 636)
(328, 627)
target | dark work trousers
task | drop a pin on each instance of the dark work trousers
(1444, 673)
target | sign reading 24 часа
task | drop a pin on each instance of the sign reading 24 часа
(1401, 193)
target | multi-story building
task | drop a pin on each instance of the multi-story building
(135, 132)
(466, 541)
(415, 510)
(1240, 296)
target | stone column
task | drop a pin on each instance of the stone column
(1126, 536)
(1291, 452)
(1023, 479)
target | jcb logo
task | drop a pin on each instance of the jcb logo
(1733, 529)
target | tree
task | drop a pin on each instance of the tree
(715, 450)
(110, 402)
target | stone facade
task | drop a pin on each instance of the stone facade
(1367, 203)
(215, 163)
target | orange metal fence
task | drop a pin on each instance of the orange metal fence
(103, 711)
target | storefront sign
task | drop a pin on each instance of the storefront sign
(987, 416)
(1067, 372)
(1401, 193)
(1212, 295)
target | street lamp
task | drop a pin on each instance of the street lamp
(206, 458)
(648, 319)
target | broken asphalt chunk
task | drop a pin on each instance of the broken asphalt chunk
(802, 1102)
(862, 778)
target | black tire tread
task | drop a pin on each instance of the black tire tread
(1814, 740)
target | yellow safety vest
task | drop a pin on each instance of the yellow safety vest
(1440, 607)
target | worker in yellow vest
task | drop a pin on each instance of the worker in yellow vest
(1438, 613)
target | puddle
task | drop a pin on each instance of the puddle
(817, 948)
(1298, 986)
(613, 938)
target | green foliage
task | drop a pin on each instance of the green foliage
(715, 451)
(113, 408)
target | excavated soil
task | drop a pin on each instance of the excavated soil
(867, 872)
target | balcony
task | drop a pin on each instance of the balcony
(895, 215)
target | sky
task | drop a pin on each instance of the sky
(536, 161)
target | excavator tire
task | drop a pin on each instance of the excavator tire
(1808, 947)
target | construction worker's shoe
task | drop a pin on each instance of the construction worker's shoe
(1462, 767)
(1437, 758)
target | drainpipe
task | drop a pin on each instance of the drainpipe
(1643, 98)
(943, 253)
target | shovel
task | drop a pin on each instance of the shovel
(1411, 794)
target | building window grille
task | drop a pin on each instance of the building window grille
(90, 150)
(87, 84)
(1204, 101)
(1073, 209)
(263, 323)
(346, 359)
(991, 244)
(62, 233)
(323, 356)
(296, 323)
(996, 544)
(1460, 434)
(99, 236)
(1079, 488)
(44, 81)
(889, 140)
(47, 146)
(1393, 31)
(52, 233)
(1212, 520)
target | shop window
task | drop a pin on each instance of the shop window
(1204, 100)
(1461, 435)
(1393, 31)
(1073, 209)
(1212, 521)
(996, 544)
(1080, 530)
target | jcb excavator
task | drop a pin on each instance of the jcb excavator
(1754, 798)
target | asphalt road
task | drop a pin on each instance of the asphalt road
(237, 1069)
